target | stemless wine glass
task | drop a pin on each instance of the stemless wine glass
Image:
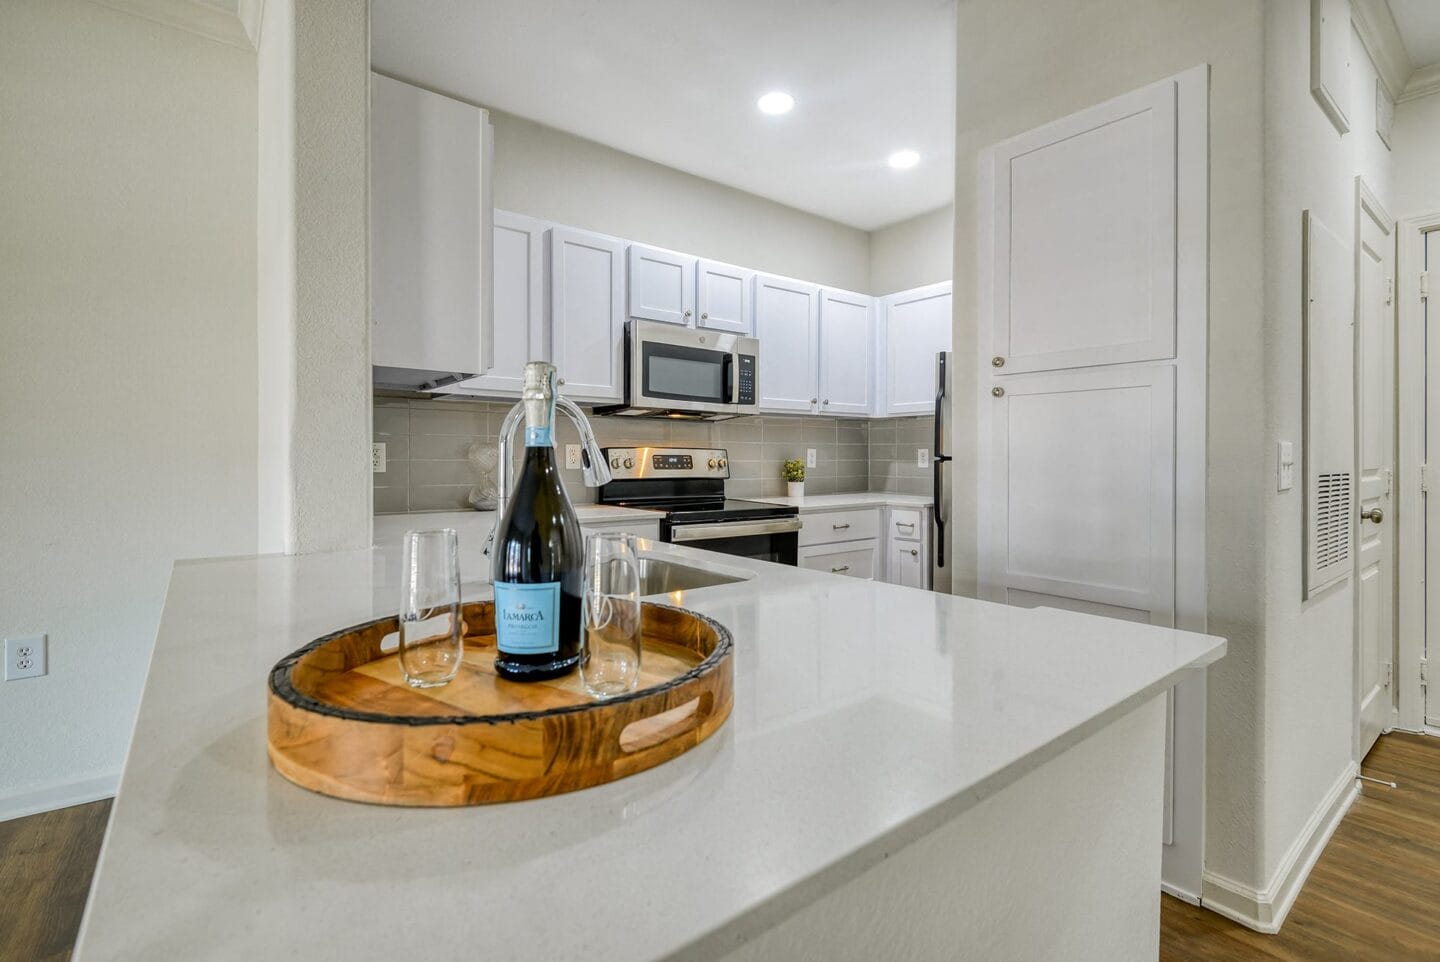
(610, 664)
(430, 626)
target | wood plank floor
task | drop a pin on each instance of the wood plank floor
(1374, 894)
(46, 862)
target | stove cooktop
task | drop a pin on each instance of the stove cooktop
(698, 510)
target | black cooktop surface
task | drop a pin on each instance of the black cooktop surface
(698, 510)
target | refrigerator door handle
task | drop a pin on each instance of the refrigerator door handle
(937, 528)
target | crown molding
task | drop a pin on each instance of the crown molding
(1376, 26)
(237, 27)
(1423, 83)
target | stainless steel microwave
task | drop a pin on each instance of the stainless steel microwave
(682, 372)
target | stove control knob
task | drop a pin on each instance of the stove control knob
(723, 462)
(614, 462)
(629, 462)
(711, 464)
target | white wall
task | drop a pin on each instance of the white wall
(914, 252)
(1308, 666)
(1416, 139)
(128, 367)
(1015, 73)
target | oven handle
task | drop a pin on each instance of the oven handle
(731, 529)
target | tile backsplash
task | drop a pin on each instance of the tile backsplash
(427, 466)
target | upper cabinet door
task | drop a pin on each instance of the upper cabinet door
(430, 235)
(917, 327)
(1084, 238)
(587, 302)
(519, 298)
(722, 296)
(787, 315)
(846, 348)
(662, 285)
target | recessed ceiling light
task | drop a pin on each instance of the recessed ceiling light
(775, 102)
(902, 159)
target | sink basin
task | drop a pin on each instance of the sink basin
(661, 577)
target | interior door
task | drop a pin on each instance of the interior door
(1375, 459)
(845, 338)
(1091, 389)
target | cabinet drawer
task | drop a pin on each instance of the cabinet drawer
(905, 524)
(831, 526)
(854, 559)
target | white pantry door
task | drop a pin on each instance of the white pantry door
(1092, 389)
(1375, 458)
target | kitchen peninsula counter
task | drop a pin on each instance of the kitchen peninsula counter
(904, 774)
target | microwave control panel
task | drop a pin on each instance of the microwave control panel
(746, 391)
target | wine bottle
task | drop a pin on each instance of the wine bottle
(538, 552)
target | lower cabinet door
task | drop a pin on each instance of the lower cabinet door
(853, 559)
(906, 564)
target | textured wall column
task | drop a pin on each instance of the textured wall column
(314, 278)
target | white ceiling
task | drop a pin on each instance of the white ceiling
(675, 81)
(1419, 24)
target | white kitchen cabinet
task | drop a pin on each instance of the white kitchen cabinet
(853, 559)
(906, 564)
(722, 297)
(587, 313)
(430, 236)
(521, 327)
(787, 320)
(846, 350)
(662, 285)
(917, 327)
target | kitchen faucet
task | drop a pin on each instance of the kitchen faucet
(592, 461)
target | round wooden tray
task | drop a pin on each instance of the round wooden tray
(343, 722)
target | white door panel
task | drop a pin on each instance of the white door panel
(845, 351)
(519, 289)
(587, 324)
(1375, 451)
(1083, 488)
(662, 285)
(787, 317)
(918, 325)
(1085, 237)
(722, 297)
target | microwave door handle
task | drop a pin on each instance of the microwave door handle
(727, 378)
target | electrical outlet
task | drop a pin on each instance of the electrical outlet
(1285, 466)
(572, 457)
(25, 657)
(377, 457)
(809, 457)
(922, 458)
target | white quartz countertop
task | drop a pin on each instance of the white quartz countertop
(865, 716)
(865, 499)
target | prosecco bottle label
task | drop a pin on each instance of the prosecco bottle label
(527, 618)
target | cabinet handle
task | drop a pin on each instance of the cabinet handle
(840, 527)
(839, 569)
(814, 400)
(914, 552)
(687, 315)
(827, 400)
(705, 316)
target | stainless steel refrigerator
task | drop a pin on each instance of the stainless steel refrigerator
(941, 564)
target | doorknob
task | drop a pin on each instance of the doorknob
(1374, 514)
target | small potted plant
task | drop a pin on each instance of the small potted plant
(794, 473)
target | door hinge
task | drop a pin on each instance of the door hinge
(1424, 485)
(1390, 290)
(1389, 673)
(1424, 672)
(1424, 284)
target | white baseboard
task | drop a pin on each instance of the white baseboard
(61, 795)
(1265, 910)
(1180, 893)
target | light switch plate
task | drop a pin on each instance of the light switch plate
(809, 457)
(25, 657)
(1284, 466)
(377, 457)
(572, 457)
(922, 458)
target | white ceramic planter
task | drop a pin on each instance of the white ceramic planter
(795, 489)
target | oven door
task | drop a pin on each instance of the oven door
(772, 539)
